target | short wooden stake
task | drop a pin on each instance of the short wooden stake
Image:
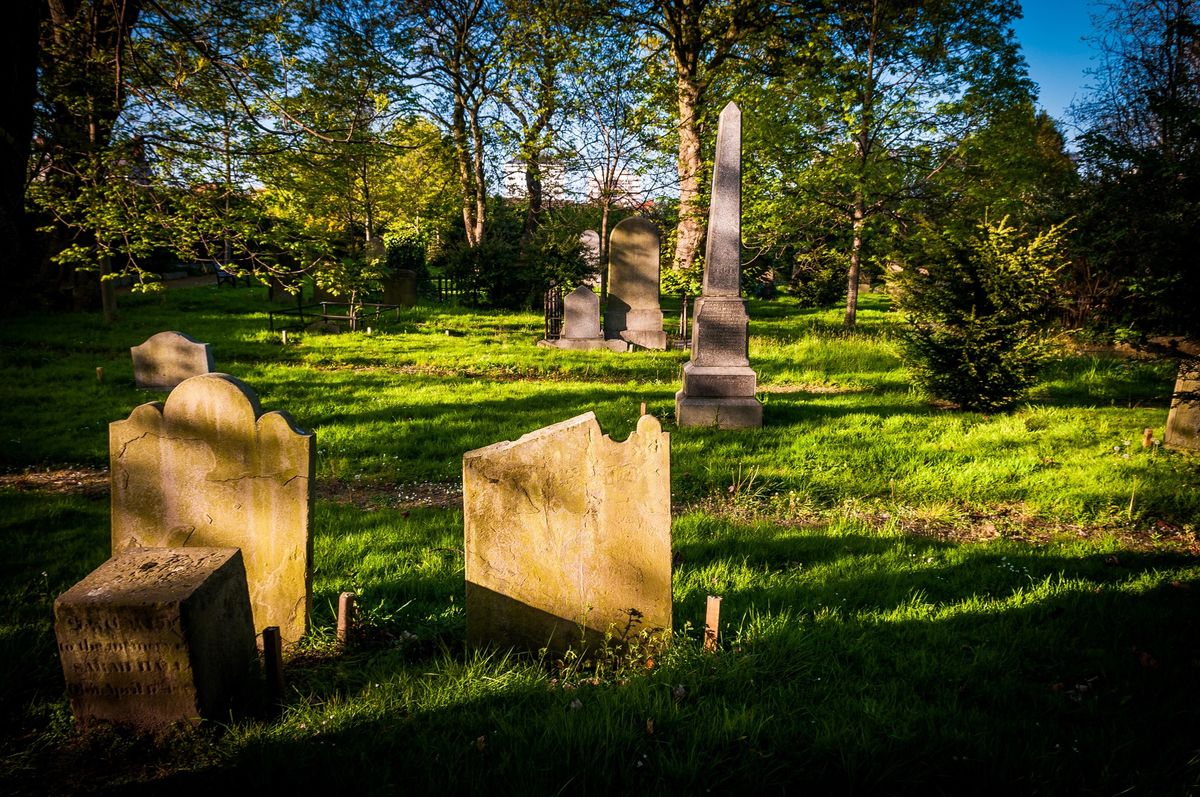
(283, 337)
(643, 409)
(345, 616)
(1147, 438)
(99, 374)
(273, 663)
(712, 623)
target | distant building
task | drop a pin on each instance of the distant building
(626, 189)
(554, 183)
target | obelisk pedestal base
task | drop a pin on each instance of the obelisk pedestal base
(720, 396)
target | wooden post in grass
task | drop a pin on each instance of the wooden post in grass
(345, 616)
(100, 374)
(643, 412)
(712, 623)
(273, 663)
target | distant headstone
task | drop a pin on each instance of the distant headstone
(401, 288)
(158, 635)
(209, 468)
(718, 383)
(168, 358)
(581, 323)
(568, 536)
(1183, 421)
(633, 313)
(589, 241)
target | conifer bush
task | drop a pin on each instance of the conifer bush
(981, 313)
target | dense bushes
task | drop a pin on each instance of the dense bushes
(979, 312)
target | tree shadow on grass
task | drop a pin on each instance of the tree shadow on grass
(1090, 689)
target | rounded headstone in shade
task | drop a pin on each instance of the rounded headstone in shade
(633, 312)
(168, 358)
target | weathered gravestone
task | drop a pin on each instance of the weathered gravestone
(633, 313)
(589, 242)
(1183, 421)
(581, 323)
(568, 536)
(168, 358)
(400, 288)
(210, 468)
(718, 383)
(158, 635)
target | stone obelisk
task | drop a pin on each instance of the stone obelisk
(718, 382)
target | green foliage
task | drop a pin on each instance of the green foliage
(979, 314)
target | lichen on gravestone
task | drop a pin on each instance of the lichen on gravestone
(209, 468)
(568, 537)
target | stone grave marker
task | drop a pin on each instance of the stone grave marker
(1183, 421)
(568, 536)
(633, 313)
(401, 288)
(209, 468)
(158, 635)
(168, 358)
(589, 242)
(718, 383)
(581, 323)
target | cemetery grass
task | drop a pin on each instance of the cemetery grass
(915, 599)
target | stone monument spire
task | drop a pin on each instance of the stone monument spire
(718, 383)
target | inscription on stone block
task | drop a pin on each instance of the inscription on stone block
(210, 468)
(568, 536)
(168, 358)
(721, 333)
(158, 635)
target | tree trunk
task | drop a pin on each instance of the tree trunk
(605, 205)
(18, 87)
(108, 293)
(478, 176)
(855, 262)
(690, 232)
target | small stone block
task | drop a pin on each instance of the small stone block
(722, 413)
(158, 635)
(716, 382)
(168, 358)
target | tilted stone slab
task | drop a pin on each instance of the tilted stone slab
(1183, 421)
(568, 536)
(633, 312)
(158, 635)
(168, 358)
(210, 468)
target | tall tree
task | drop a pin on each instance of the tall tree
(19, 45)
(1140, 210)
(84, 45)
(700, 38)
(910, 81)
(455, 74)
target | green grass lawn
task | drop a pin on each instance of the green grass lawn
(915, 599)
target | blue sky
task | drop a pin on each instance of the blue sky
(1051, 35)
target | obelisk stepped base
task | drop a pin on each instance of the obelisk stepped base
(722, 413)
